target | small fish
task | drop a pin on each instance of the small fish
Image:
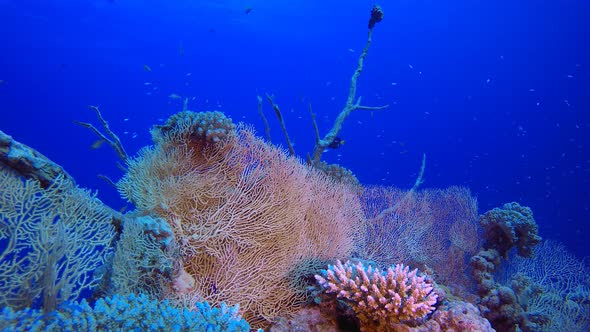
(336, 143)
(248, 10)
(97, 144)
(351, 50)
(147, 83)
(174, 96)
(2, 82)
(181, 49)
(147, 68)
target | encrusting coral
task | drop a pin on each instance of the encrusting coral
(212, 127)
(380, 298)
(512, 225)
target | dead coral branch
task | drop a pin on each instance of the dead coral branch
(351, 105)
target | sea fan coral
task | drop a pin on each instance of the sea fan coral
(434, 230)
(245, 216)
(51, 242)
(380, 298)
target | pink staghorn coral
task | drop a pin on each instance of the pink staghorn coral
(380, 298)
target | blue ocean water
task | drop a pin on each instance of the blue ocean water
(495, 93)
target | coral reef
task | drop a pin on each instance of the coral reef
(239, 204)
(223, 217)
(125, 313)
(511, 226)
(380, 298)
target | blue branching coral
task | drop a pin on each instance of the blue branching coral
(125, 313)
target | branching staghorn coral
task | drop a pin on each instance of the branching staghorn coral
(125, 313)
(379, 298)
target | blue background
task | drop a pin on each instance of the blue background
(495, 92)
